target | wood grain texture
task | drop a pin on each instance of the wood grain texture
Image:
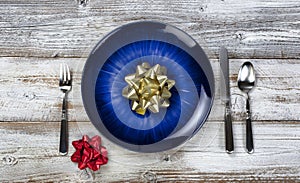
(35, 155)
(37, 35)
(29, 90)
(250, 29)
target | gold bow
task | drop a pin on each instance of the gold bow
(148, 88)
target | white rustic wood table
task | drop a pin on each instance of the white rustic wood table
(37, 35)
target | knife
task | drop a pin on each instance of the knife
(224, 62)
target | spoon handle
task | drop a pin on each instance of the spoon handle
(249, 135)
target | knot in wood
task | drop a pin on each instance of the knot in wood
(149, 176)
(9, 160)
(82, 3)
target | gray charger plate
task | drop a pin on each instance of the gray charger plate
(160, 43)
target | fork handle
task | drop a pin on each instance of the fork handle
(63, 145)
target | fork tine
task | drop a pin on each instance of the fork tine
(65, 73)
(60, 73)
(68, 73)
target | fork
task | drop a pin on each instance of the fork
(65, 85)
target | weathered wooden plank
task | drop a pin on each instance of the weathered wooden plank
(32, 149)
(29, 90)
(250, 29)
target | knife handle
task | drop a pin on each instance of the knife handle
(249, 135)
(228, 131)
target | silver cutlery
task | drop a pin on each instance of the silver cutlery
(224, 62)
(246, 81)
(65, 85)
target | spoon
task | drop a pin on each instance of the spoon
(246, 81)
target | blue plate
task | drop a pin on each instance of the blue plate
(117, 55)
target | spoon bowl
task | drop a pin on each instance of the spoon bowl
(246, 77)
(246, 81)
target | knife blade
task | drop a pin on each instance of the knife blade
(224, 63)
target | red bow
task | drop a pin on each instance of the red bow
(89, 153)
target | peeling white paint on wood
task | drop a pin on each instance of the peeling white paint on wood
(35, 147)
(36, 36)
(33, 94)
(250, 29)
